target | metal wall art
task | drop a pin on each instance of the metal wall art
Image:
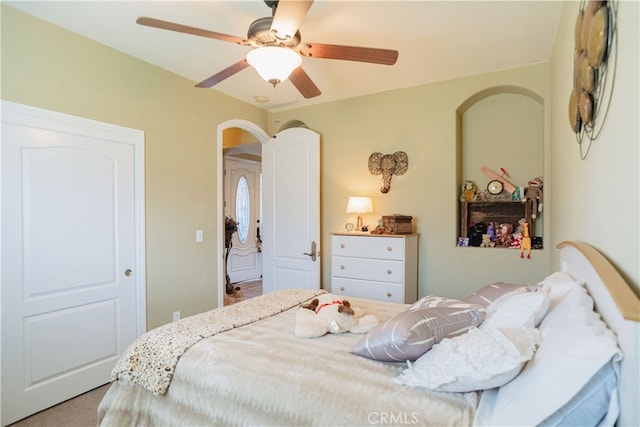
(388, 165)
(594, 60)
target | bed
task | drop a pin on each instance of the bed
(245, 366)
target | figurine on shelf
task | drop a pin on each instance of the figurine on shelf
(526, 242)
(516, 240)
(505, 237)
(486, 242)
(378, 230)
(491, 231)
(469, 192)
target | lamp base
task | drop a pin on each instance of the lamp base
(359, 224)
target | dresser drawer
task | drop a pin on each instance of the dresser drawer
(368, 269)
(366, 289)
(368, 247)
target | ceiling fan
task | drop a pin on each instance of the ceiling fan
(279, 34)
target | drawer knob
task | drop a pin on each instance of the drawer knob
(389, 271)
(389, 294)
(342, 288)
(389, 248)
(342, 267)
(342, 245)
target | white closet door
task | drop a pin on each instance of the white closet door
(70, 256)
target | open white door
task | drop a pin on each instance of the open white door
(72, 255)
(291, 210)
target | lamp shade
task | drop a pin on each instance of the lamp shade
(273, 63)
(359, 205)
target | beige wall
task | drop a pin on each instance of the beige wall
(48, 67)
(596, 200)
(503, 130)
(422, 122)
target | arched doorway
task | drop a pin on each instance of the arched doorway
(262, 137)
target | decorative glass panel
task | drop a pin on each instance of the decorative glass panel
(243, 208)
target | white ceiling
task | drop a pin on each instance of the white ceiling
(437, 40)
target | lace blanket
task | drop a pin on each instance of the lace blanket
(151, 360)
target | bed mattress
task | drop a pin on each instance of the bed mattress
(262, 374)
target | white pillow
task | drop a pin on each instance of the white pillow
(477, 360)
(558, 284)
(575, 345)
(517, 309)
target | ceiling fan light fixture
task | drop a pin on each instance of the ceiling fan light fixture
(274, 63)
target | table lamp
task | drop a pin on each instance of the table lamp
(359, 205)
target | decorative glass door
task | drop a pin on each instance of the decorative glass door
(243, 204)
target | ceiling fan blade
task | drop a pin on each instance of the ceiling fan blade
(288, 18)
(221, 75)
(172, 26)
(303, 83)
(350, 53)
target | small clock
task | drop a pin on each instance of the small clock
(495, 187)
(349, 226)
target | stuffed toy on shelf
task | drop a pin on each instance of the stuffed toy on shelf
(533, 193)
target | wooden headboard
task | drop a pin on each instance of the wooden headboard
(619, 306)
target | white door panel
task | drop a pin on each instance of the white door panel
(291, 210)
(71, 251)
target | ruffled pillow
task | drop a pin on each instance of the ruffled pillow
(478, 360)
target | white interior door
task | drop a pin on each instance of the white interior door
(291, 210)
(242, 203)
(71, 255)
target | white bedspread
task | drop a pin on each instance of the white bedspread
(261, 374)
(150, 361)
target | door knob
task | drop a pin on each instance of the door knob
(128, 272)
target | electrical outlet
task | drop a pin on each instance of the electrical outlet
(176, 315)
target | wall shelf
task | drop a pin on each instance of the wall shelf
(497, 212)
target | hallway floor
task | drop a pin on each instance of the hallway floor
(248, 289)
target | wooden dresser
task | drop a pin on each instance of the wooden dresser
(380, 267)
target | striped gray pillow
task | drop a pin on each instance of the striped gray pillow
(489, 293)
(410, 334)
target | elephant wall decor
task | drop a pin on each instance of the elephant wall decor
(388, 165)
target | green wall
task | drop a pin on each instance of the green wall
(597, 200)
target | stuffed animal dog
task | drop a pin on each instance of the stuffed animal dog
(329, 314)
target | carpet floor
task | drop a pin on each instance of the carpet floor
(81, 411)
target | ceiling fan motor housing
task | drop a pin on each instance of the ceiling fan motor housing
(259, 35)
